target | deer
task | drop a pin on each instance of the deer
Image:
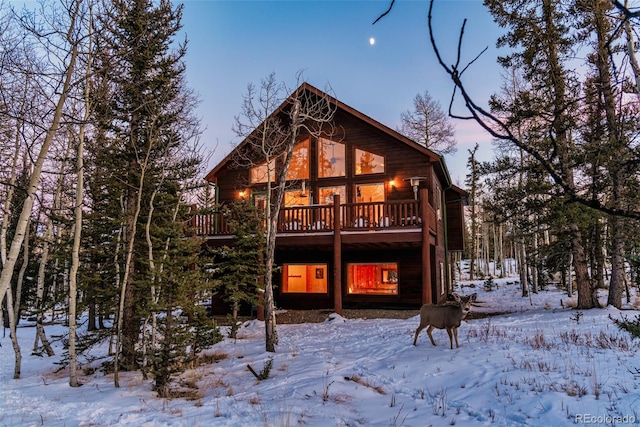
(447, 316)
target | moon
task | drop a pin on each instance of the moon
(372, 41)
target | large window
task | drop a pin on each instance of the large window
(260, 174)
(368, 163)
(372, 279)
(299, 166)
(296, 197)
(331, 158)
(304, 278)
(326, 194)
(366, 193)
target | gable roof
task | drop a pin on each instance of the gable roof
(434, 158)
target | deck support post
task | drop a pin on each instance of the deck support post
(426, 247)
(337, 256)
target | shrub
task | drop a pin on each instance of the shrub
(489, 284)
(631, 326)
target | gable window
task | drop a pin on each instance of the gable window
(372, 278)
(299, 166)
(260, 174)
(304, 278)
(331, 158)
(368, 163)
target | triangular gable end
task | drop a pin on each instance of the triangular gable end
(435, 158)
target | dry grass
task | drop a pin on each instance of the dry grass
(210, 358)
(361, 381)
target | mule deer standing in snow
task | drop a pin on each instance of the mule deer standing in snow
(447, 316)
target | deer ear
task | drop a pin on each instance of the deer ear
(474, 296)
(456, 297)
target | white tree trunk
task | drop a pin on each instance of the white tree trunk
(4, 226)
(631, 50)
(14, 337)
(77, 230)
(34, 180)
(44, 258)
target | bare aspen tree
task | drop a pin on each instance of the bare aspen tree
(429, 125)
(60, 48)
(64, 86)
(44, 259)
(77, 211)
(131, 226)
(13, 336)
(13, 105)
(270, 136)
(627, 16)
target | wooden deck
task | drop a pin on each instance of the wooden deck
(392, 215)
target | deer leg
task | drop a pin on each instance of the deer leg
(420, 328)
(455, 334)
(449, 331)
(429, 329)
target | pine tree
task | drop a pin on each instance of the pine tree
(240, 267)
(145, 144)
(473, 181)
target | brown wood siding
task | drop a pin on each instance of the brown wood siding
(455, 221)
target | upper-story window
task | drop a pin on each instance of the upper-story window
(261, 173)
(367, 162)
(299, 166)
(331, 158)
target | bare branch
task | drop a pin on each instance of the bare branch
(500, 130)
(624, 9)
(385, 13)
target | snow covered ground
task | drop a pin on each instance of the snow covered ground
(540, 365)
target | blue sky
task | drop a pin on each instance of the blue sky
(233, 43)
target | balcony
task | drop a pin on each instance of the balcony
(353, 217)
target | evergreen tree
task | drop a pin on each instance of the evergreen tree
(146, 147)
(179, 327)
(473, 182)
(240, 267)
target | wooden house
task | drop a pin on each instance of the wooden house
(369, 218)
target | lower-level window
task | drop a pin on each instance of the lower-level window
(304, 278)
(373, 278)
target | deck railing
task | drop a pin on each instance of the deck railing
(320, 218)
